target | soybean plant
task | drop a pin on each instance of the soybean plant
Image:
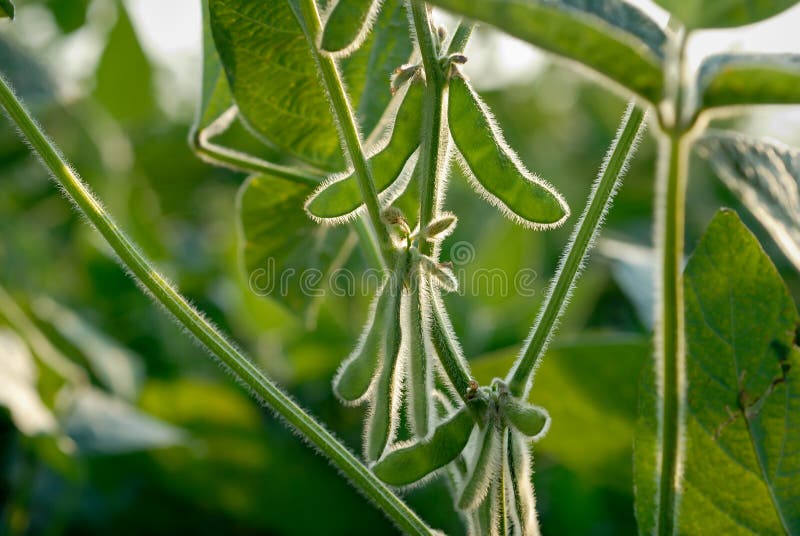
(368, 104)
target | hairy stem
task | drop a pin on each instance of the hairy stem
(431, 168)
(670, 344)
(222, 156)
(611, 174)
(433, 141)
(194, 322)
(343, 112)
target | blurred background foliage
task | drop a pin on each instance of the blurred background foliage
(112, 421)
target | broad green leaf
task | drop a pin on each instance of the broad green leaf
(101, 424)
(415, 461)
(338, 199)
(6, 9)
(765, 175)
(347, 25)
(120, 370)
(18, 393)
(612, 37)
(742, 446)
(273, 78)
(723, 13)
(495, 172)
(286, 255)
(745, 79)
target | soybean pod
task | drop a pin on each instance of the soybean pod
(482, 470)
(532, 421)
(413, 462)
(420, 373)
(339, 197)
(381, 418)
(347, 26)
(519, 465)
(357, 373)
(492, 167)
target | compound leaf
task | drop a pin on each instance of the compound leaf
(6, 9)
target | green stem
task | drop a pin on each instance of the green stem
(430, 168)
(238, 161)
(670, 346)
(433, 147)
(521, 375)
(351, 138)
(194, 322)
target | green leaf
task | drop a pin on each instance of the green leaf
(6, 9)
(748, 79)
(286, 255)
(101, 424)
(273, 78)
(723, 13)
(339, 198)
(612, 37)
(494, 170)
(742, 446)
(413, 462)
(347, 25)
(18, 390)
(765, 175)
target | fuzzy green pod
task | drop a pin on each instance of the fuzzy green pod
(380, 419)
(492, 167)
(482, 470)
(357, 372)
(414, 462)
(531, 421)
(420, 373)
(523, 511)
(338, 199)
(347, 26)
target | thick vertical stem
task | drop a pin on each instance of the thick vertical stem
(345, 120)
(433, 148)
(670, 344)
